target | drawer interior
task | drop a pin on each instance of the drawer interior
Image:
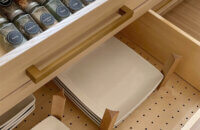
(6, 56)
(52, 44)
(161, 38)
(186, 16)
(168, 108)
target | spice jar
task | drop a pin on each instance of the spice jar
(24, 22)
(87, 2)
(74, 5)
(41, 15)
(10, 37)
(57, 8)
(27, 26)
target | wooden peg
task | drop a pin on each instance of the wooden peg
(58, 105)
(169, 67)
(109, 119)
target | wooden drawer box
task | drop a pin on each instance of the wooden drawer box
(168, 108)
(54, 43)
(44, 45)
(39, 50)
(155, 38)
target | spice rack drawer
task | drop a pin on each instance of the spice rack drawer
(47, 53)
(47, 45)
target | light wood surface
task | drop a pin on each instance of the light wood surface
(37, 75)
(12, 73)
(134, 4)
(160, 38)
(161, 5)
(18, 93)
(165, 6)
(186, 16)
(170, 67)
(109, 119)
(167, 109)
(58, 105)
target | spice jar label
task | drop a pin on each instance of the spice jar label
(47, 19)
(62, 11)
(31, 28)
(15, 37)
(75, 4)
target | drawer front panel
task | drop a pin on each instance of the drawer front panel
(133, 4)
(101, 34)
(25, 90)
(12, 73)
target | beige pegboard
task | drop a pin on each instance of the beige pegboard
(166, 109)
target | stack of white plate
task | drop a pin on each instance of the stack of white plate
(113, 76)
(17, 114)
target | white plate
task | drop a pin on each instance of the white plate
(20, 119)
(50, 123)
(113, 76)
(16, 111)
(78, 103)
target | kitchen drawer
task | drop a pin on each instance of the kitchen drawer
(39, 50)
(154, 38)
(71, 52)
(13, 93)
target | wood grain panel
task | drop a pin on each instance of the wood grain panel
(160, 38)
(132, 4)
(165, 6)
(187, 17)
(14, 63)
(19, 93)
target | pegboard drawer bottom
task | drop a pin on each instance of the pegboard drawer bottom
(165, 109)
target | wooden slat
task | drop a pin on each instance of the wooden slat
(58, 105)
(160, 38)
(109, 119)
(170, 67)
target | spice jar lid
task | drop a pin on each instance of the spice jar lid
(15, 14)
(11, 11)
(3, 19)
(31, 5)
